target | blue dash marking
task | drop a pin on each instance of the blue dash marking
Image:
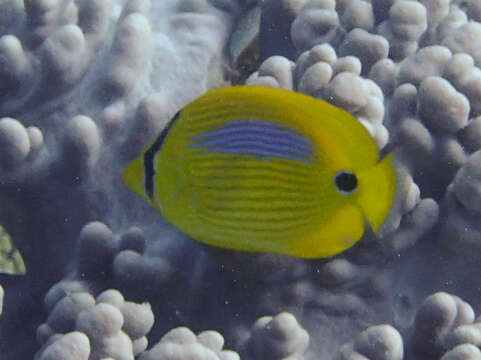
(256, 137)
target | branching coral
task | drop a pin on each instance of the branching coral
(84, 327)
(181, 343)
(86, 84)
(444, 322)
(376, 342)
(278, 337)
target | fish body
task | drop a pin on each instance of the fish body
(266, 170)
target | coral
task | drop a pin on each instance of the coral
(277, 337)
(444, 322)
(459, 232)
(376, 342)
(462, 352)
(106, 326)
(181, 343)
(86, 84)
(407, 23)
(72, 346)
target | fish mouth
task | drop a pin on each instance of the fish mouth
(379, 188)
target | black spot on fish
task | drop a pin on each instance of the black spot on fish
(346, 182)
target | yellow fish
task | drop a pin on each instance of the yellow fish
(260, 169)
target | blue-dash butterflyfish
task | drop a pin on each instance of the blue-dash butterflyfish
(260, 169)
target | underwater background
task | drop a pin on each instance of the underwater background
(85, 85)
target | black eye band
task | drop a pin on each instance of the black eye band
(346, 182)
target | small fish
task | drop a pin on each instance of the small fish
(259, 169)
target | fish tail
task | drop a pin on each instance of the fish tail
(132, 179)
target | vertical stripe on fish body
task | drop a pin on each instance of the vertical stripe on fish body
(268, 170)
